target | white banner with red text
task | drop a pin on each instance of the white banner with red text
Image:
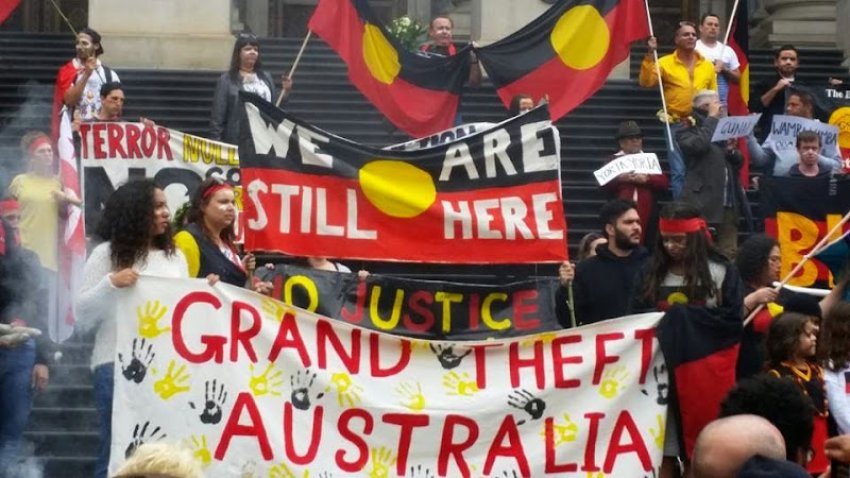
(257, 388)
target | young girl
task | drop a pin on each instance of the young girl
(834, 354)
(791, 346)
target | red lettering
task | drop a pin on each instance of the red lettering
(375, 357)
(148, 142)
(525, 304)
(315, 435)
(133, 135)
(601, 355)
(646, 336)
(416, 302)
(244, 401)
(450, 449)
(480, 354)
(559, 360)
(289, 327)
(592, 436)
(474, 311)
(356, 316)
(115, 135)
(626, 424)
(214, 349)
(348, 434)
(515, 363)
(97, 139)
(512, 449)
(325, 334)
(85, 130)
(243, 337)
(551, 466)
(163, 137)
(406, 423)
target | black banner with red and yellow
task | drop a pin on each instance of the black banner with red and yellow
(492, 197)
(799, 212)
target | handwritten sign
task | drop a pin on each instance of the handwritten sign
(641, 163)
(784, 131)
(735, 127)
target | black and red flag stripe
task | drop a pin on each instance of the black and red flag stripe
(418, 93)
(566, 53)
(739, 93)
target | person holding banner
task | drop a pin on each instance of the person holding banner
(770, 97)
(683, 73)
(246, 73)
(137, 233)
(640, 188)
(207, 241)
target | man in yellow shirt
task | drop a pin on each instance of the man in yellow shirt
(683, 73)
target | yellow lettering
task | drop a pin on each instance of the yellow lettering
(447, 299)
(487, 315)
(308, 285)
(796, 235)
(190, 149)
(395, 315)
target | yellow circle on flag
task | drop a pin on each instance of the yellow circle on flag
(841, 119)
(379, 54)
(396, 188)
(677, 298)
(581, 37)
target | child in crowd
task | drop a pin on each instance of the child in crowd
(791, 346)
(834, 354)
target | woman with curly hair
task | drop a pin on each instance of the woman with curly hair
(137, 233)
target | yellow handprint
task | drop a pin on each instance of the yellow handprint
(657, 434)
(172, 383)
(274, 310)
(149, 316)
(564, 432)
(382, 460)
(201, 451)
(612, 379)
(411, 395)
(347, 392)
(598, 474)
(545, 337)
(459, 385)
(282, 471)
(269, 381)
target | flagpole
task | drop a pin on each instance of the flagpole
(570, 298)
(294, 65)
(670, 146)
(820, 245)
(729, 23)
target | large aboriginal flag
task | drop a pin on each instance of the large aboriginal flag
(566, 53)
(739, 94)
(418, 93)
(492, 197)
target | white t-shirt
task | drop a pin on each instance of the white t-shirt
(89, 105)
(720, 52)
(253, 84)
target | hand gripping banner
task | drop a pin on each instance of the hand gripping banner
(491, 197)
(256, 388)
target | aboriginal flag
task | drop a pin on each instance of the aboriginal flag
(700, 346)
(739, 94)
(418, 93)
(566, 53)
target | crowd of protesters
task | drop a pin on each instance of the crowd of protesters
(644, 258)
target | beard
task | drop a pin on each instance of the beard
(622, 240)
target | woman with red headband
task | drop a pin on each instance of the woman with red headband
(42, 201)
(686, 269)
(208, 239)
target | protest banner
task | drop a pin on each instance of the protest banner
(310, 193)
(113, 153)
(423, 309)
(784, 130)
(838, 99)
(641, 163)
(730, 127)
(798, 212)
(442, 137)
(257, 388)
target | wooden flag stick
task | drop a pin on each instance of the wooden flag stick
(820, 245)
(730, 22)
(294, 65)
(670, 144)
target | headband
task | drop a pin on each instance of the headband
(214, 189)
(684, 226)
(37, 143)
(9, 205)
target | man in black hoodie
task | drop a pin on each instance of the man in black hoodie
(603, 284)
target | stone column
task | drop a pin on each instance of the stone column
(803, 23)
(843, 26)
(167, 34)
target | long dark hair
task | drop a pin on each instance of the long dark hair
(783, 337)
(127, 222)
(242, 40)
(834, 337)
(196, 212)
(753, 256)
(698, 282)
